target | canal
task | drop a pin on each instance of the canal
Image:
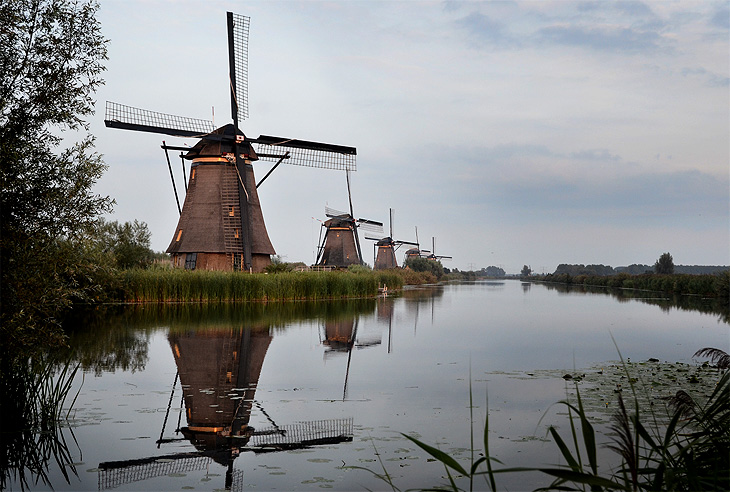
(301, 395)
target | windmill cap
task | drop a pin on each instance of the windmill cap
(220, 142)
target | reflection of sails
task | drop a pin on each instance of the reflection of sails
(219, 371)
(341, 334)
(418, 295)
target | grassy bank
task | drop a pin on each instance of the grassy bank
(177, 285)
(679, 284)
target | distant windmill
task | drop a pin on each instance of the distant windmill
(340, 245)
(433, 255)
(387, 247)
(221, 226)
(416, 252)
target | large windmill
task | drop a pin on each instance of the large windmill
(221, 226)
(340, 245)
(387, 247)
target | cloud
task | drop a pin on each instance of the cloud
(595, 155)
(483, 31)
(721, 18)
(604, 38)
(711, 79)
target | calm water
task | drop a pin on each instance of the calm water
(345, 378)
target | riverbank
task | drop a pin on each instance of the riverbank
(676, 284)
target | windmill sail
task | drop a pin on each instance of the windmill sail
(302, 435)
(268, 148)
(238, 28)
(142, 120)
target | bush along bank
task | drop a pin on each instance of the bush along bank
(717, 285)
(177, 285)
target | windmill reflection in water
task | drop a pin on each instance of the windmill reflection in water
(219, 370)
(341, 334)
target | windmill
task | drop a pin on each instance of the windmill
(221, 225)
(416, 252)
(433, 255)
(387, 247)
(340, 245)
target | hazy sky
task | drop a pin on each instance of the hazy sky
(514, 133)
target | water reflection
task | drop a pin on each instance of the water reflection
(218, 369)
(215, 381)
(665, 302)
(33, 437)
(418, 297)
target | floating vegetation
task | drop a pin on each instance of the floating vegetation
(651, 383)
(675, 437)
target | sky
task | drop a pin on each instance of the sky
(507, 133)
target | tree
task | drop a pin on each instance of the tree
(278, 265)
(665, 264)
(425, 265)
(494, 271)
(51, 54)
(526, 271)
(128, 243)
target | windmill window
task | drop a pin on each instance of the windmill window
(190, 260)
(230, 211)
(192, 173)
(237, 257)
(236, 233)
(179, 235)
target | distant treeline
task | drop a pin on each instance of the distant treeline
(707, 285)
(635, 269)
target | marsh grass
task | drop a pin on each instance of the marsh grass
(34, 394)
(178, 285)
(689, 451)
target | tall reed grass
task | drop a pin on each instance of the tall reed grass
(177, 285)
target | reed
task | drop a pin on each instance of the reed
(34, 394)
(177, 285)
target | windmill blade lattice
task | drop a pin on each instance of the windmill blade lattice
(332, 212)
(371, 226)
(238, 28)
(131, 118)
(306, 153)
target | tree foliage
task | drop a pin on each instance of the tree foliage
(526, 271)
(52, 54)
(128, 243)
(665, 264)
(425, 265)
(494, 271)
